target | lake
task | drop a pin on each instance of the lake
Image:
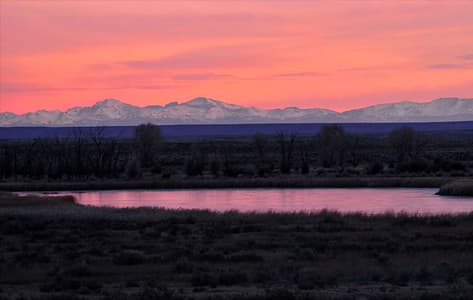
(369, 200)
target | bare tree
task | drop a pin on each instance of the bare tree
(406, 143)
(332, 144)
(260, 143)
(148, 139)
(229, 161)
(97, 137)
(286, 147)
(195, 164)
(78, 143)
(305, 152)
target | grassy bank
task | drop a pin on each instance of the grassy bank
(59, 250)
(184, 183)
(461, 187)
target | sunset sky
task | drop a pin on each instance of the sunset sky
(273, 53)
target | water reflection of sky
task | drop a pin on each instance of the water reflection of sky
(363, 199)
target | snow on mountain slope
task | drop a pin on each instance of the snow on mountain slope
(207, 111)
(444, 109)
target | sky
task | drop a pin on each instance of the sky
(273, 53)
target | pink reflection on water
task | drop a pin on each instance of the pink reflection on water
(413, 200)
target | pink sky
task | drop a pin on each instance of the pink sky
(272, 53)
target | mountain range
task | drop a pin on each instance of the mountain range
(202, 110)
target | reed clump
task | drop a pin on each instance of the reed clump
(460, 187)
(12, 200)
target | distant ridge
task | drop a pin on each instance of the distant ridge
(112, 112)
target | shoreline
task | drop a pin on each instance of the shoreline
(225, 183)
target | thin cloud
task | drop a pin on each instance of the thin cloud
(201, 76)
(449, 66)
(215, 57)
(285, 75)
(467, 56)
(369, 68)
(25, 88)
(301, 74)
(151, 87)
(20, 88)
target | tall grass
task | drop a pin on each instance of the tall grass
(461, 187)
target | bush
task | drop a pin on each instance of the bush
(133, 169)
(311, 278)
(161, 293)
(280, 294)
(183, 266)
(81, 270)
(245, 257)
(194, 167)
(462, 187)
(156, 169)
(215, 167)
(440, 164)
(232, 277)
(375, 167)
(203, 279)
(129, 257)
(417, 165)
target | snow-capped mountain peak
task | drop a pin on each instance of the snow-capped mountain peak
(208, 103)
(204, 110)
(111, 104)
(200, 101)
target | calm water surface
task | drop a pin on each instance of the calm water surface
(412, 200)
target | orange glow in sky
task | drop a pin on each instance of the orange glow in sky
(273, 53)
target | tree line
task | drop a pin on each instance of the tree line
(90, 154)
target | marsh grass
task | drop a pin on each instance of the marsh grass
(460, 187)
(9, 200)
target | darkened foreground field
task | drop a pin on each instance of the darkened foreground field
(58, 250)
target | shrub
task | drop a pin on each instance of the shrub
(161, 293)
(245, 257)
(194, 167)
(375, 168)
(129, 257)
(280, 294)
(133, 169)
(232, 277)
(183, 266)
(215, 167)
(457, 188)
(203, 279)
(310, 278)
(417, 165)
(81, 270)
(212, 255)
(157, 169)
